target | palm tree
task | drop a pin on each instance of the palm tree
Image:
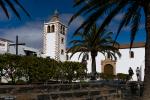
(12, 4)
(103, 44)
(132, 15)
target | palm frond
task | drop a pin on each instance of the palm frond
(78, 2)
(4, 8)
(76, 41)
(135, 27)
(94, 15)
(91, 42)
(4, 4)
(126, 18)
(13, 8)
(16, 1)
(112, 14)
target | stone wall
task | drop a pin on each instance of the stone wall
(80, 91)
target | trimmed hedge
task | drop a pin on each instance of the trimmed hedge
(31, 69)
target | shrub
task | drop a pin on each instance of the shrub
(122, 76)
(20, 82)
(107, 76)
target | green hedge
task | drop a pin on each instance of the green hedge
(35, 69)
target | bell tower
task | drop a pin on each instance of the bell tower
(54, 42)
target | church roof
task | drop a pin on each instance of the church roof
(55, 17)
(135, 45)
(127, 46)
(5, 40)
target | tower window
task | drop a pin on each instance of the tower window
(67, 57)
(48, 29)
(1, 44)
(131, 53)
(62, 40)
(52, 28)
(63, 30)
(62, 51)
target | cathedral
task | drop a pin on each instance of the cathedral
(54, 46)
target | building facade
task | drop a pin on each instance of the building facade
(129, 58)
(54, 46)
(54, 42)
(6, 47)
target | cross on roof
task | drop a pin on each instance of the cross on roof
(17, 44)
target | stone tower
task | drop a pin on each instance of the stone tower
(54, 44)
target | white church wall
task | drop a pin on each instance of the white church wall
(53, 47)
(50, 46)
(75, 57)
(62, 47)
(3, 46)
(21, 50)
(122, 64)
(99, 57)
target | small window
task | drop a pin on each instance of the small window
(1, 44)
(67, 57)
(62, 51)
(48, 29)
(131, 53)
(52, 28)
(62, 40)
(63, 30)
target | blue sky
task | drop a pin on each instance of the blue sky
(30, 30)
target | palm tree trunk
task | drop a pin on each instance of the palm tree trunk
(93, 55)
(146, 95)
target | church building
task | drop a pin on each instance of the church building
(129, 58)
(54, 46)
(8, 46)
(54, 38)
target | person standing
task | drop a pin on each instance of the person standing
(130, 71)
(138, 72)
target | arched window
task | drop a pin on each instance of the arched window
(62, 40)
(63, 30)
(67, 57)
(62, 51)
(48, 29)
(52, 28)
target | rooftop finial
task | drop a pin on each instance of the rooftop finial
(55, 17)
(56, 12)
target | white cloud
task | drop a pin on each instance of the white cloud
(30, 33)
